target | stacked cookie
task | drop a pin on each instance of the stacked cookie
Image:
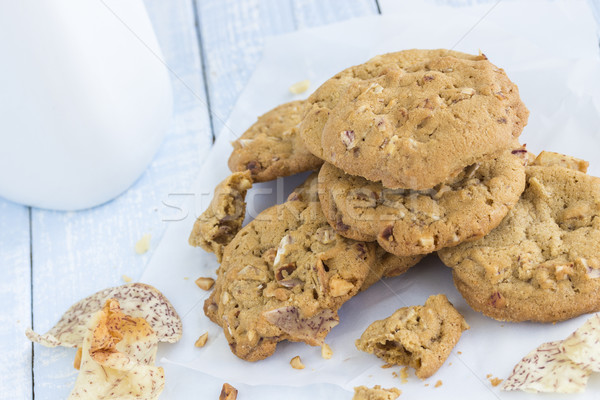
(418, 152)
(418, 148)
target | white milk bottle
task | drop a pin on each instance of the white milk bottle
(84, 100)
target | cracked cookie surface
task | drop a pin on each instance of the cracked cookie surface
(542, 263)
(412, 119)
(223, 218)
(421, 337)
(407, 222)
(272, 147)
(285, 275)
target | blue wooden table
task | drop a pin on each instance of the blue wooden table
(51, 259)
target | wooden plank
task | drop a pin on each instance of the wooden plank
(76, 254)
(15, 297)
(232, 34)
(311, 13)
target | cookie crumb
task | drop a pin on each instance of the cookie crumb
(388, 365)
(404, 375)
(459, 352)
(375, 393)
(300, 87)
(228, 392)
(495, 381)
(205, 283)
(326, 351)
(438, 384)
(126, 278)
(488, 376)
(201, 340)
(143, 245)
(296, 363)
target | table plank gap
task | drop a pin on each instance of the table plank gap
(15, 297)
(78, 253)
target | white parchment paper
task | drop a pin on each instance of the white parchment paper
(553, 59)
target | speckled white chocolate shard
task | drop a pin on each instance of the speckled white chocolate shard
(117, 361)
(136, 299)
(583, 345)
(548, 369)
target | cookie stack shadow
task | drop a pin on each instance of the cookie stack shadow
(417, 152)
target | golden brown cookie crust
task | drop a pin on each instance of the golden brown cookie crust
(223, 218)
(272, 148)
(421, 337)
(412, 119)
(409, 222)
(542, 263)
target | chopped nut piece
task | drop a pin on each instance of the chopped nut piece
(469, 91)
(228, 392)
(300, 87)
(348, 138)
(326, 351)
(339, 287)
(143, 245)
(126, 278)
(296, 363)
(427, 241)
(205, 283)
(438, 384)
(201, 340)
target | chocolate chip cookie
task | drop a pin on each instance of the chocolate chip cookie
(542, 263)
(407, 222)
(414, 118)
(272, 147)
(285, 275)
(223, 218)
(421, 337)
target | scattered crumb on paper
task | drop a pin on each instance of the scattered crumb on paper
(300, 87)
(143, 245)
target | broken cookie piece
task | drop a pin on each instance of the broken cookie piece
(285, 275)
(219, 224)
(421, 337)
(375, 393)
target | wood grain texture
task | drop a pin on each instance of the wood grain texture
(233, 32)
(78, 253)
(15, 297)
